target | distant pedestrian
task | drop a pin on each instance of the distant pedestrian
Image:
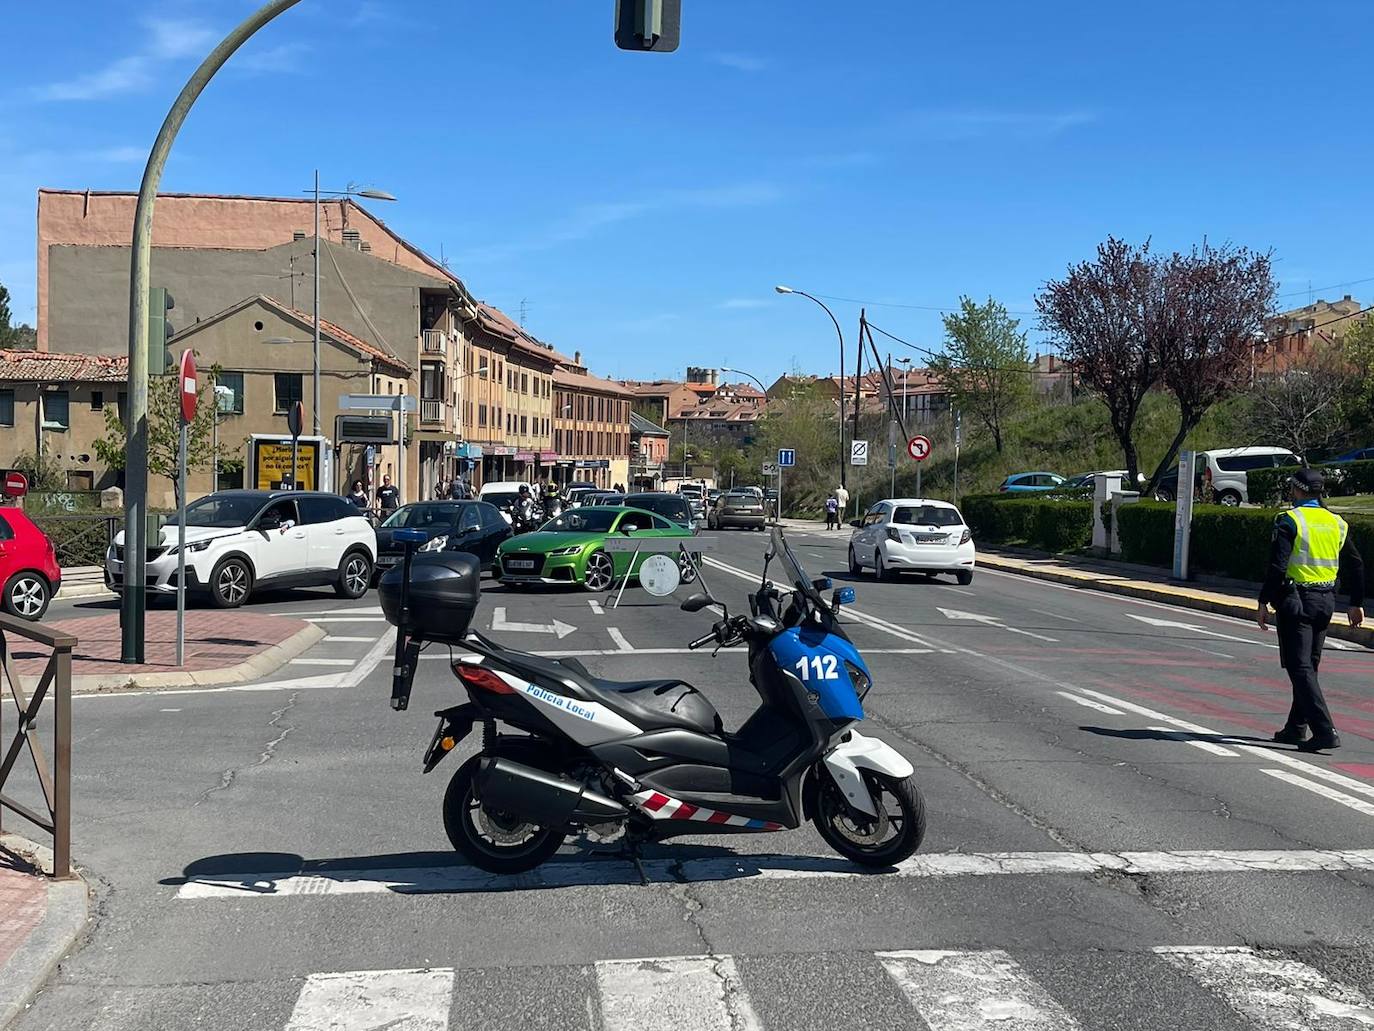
(832, 511)
(441, 489)
(358, 495)
(388, 496)
(842, 496)
(1309, 553)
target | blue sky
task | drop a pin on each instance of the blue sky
(645, 205)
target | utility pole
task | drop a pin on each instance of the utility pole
(132, 599)
(315, 353)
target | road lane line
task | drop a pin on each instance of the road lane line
(1271, 755)
(619, 639)
(1206, 746)
(596, 606)
(331, 639)
(1088, 703)
(1056, 615)
(321, 662)
(1273, 992)
(1349, 801)
(345, 619)
(364, 1000)
(968, 991)
(362, 610)
(703, 993)
(279, 884)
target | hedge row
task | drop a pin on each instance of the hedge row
(1034, 521)
(1269, 486)
(1230, 542)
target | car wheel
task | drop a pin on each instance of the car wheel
(27, 595)
(687, 569)
(600, 572)
(1229, 498)
(854, 568)
(230, 583)
(964, 578)
(1163, 494)
(879, 570)
(355, 574)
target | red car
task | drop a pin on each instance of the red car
(28, 566)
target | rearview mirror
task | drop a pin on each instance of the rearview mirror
(697, 602)
(269, 522)
(856, 523)
(842, 596)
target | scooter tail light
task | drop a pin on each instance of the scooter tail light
(481, 678)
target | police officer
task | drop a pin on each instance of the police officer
(1310, 550)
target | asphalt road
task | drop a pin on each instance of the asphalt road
(1112, 844)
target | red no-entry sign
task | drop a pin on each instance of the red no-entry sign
(187, 379)
(16, 484)
(918, 448)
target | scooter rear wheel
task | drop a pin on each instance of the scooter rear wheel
(894, 835)
(495, 841)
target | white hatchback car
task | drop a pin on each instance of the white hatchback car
(913, 534)
(240, 540)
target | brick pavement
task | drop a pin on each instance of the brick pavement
(215, 639)
(23, 901)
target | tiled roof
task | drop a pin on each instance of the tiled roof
(50, 367)
(565, 376)
(641, 425)
(497, 322)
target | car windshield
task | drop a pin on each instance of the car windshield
(926, 515)
(583, 520)
(744, 497)
(223, 510)
(423, 515)
(670, 508)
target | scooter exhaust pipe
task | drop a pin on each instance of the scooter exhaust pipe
(540, 797)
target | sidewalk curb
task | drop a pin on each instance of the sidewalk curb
(28, 970)
(1178, 596)
(264, 663)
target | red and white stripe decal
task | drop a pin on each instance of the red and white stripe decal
(661, 807)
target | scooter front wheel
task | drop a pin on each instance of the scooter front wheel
(893, 835)
(496, 841)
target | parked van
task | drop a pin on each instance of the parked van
(1225, 469)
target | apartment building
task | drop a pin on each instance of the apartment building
(591, 427)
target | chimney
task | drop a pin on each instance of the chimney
(365, 247)
(298, 235)
(577, 357)
(352, 238)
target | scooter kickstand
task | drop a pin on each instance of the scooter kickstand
(632, 851)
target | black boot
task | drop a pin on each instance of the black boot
(1291, 735)
(1321, 742)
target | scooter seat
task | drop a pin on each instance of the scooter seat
(657, 704)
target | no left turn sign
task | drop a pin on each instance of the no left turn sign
(918, 448)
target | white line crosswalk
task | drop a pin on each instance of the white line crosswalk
(944, 990)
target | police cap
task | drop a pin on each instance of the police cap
(1309, 480)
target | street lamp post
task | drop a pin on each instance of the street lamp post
(840, 333)
(350, 192)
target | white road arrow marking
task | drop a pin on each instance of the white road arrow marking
(1170, 624)
(499, 622)
(992, 621)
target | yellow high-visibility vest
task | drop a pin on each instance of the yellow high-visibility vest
(1317, 548)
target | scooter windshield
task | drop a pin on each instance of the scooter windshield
(793, 569)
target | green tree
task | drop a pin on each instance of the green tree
(164, 425)
(1357, 350)
(985, 364)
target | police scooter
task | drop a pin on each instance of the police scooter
(564, 752)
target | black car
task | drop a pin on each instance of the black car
(677, 507)
(472, 526)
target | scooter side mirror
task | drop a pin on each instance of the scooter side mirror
(842, 596)
(697, 602)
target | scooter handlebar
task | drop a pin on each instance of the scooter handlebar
(702, 642)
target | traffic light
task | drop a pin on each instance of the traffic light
(160, 332)
(648, 25)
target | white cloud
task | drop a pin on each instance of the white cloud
(739, 62)
(173, 39)
(127, 75)
(289, 57)
(983, 123)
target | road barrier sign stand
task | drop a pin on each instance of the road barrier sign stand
(186, 386)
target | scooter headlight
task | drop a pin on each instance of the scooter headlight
(861, 680)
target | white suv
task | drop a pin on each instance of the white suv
(912, 534)
(1225, 469)
(239, 540)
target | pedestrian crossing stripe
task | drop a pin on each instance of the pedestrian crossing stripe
(948, 990)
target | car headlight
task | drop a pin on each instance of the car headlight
(193, 548)
(566, 551)
(435, 543)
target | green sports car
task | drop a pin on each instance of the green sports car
(572, 548)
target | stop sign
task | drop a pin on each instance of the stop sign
(187, 381)
(16, 484)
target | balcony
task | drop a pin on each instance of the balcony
(434, 341)
(432, 412)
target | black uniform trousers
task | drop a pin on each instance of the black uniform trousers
(1301, 619)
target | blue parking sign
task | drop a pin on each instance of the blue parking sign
(787, 457)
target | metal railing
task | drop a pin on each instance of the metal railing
(55, 783)
(431, 411)
(79, 540)
(434, 341)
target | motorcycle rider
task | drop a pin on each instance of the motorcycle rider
(524, 507)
